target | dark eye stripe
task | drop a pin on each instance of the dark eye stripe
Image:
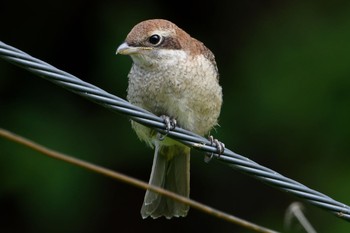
(170, 43)
(165, 43)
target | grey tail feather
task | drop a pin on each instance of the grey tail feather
(170, 170)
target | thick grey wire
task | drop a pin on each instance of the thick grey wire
(144, 117)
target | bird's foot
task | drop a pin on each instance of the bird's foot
(170, 124)
(220, 148)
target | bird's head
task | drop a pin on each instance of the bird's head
(159, 41)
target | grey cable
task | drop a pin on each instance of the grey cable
(142, 116)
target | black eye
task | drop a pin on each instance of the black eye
(155, 39)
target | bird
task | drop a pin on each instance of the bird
(174, 76)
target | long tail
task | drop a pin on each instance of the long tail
(170, 170)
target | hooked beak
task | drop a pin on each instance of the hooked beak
(125, 49)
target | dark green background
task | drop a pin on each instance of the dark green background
(286, 79)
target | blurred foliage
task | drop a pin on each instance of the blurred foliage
(286, 78)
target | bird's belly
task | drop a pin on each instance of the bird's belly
(194, 103)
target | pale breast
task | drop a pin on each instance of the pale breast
(185, 88)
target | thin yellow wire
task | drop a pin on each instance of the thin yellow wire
(129, 180)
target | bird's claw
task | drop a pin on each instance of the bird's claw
(220, 148)
(170, 124)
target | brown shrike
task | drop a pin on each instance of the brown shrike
(174, 76)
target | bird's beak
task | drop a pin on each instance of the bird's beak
(125, 49)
